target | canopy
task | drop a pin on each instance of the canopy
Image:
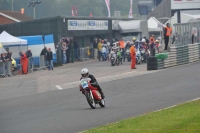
(7, 40)
(154, 25)
(130, 26)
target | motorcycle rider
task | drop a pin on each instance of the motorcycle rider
(133, 40)
(127, 47)
(93, 81)
(119, 55)
(138, 44)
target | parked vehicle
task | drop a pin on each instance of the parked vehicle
(138, 57)
(127, 55)
(112, 58)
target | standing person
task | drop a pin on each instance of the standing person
(44, 52)
(95, 44)
(50, 59)
(28, 53)
(99, 49)
(23, 62)
(69, 45)
(193, 38)
(64, 50)
(151, 43)
(76, 46)
(30, 58)
(167, 34)
(133, 61)
(121, 43)
(147, 41)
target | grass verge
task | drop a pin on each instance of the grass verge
(184, 118)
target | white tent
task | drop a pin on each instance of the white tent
(8, 40)
(154, 25)
(2, 50)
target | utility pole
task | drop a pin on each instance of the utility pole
(34, 12)
(12, 6)
(33, 4)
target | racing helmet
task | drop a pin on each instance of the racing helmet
(143, 40)
(84, 72)
(134, 39)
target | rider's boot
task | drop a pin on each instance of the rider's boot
(101, 92)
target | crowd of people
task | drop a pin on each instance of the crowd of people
(26, 61)
(66, 45)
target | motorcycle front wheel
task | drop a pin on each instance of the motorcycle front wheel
(90, 99)
(102, 103)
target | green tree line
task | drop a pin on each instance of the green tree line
(52, 8)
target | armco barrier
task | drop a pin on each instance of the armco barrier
(180, 55)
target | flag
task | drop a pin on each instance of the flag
(22, 11)
(131, 11)
(72, 12)
(108, 6)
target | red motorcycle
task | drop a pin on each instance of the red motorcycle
(91, 93)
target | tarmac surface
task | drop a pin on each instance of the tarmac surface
(50, 101)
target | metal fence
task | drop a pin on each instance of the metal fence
(5, 69)
(84, 53)
(187, 33)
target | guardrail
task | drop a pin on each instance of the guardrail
(180, 55)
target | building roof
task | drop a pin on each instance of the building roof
(16, 16)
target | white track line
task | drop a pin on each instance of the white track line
(58, 87)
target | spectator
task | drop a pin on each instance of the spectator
(64, 50)
(95, 43)
(30, 58)
(151, 43)
(193, 38)
(9, 56)
(167, 34)
(28, 53)
(44, 52)
(50, 59)
(99, 49)
(173, 39)
(76, 46)
(3, 57)
(121, 42)
(69, 48)
(23, 62)
(147, 41)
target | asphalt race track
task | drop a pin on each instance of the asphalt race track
(66, 110)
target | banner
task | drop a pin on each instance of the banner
(131, 11)
(108, 6)
(185, 4)
(87, 24)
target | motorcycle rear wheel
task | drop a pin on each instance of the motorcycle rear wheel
(90, 99)
(102, 103)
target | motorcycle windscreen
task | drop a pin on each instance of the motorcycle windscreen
(96, 95)
(84, 84)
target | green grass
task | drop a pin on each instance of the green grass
(184, 118)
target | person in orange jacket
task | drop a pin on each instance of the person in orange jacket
(132, 53)
(24, 62)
